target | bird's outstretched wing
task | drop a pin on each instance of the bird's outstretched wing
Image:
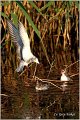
(14, 33)
(24, 36)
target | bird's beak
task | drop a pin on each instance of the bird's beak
(38, 62)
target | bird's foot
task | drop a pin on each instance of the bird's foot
(19, 69)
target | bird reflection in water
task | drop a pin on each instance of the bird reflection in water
(64, 78)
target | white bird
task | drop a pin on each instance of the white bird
(64, 77)
(20, 37)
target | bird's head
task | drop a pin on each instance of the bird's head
(33, 59)
(36, 60)
(63, 71)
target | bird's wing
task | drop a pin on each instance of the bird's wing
(14, 33)
(24, 36)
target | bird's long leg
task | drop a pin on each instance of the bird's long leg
(22, 72)
(35, 71)
(21, 66)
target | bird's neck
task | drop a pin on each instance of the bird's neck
(63, 74)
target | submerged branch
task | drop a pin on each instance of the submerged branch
(48, 83)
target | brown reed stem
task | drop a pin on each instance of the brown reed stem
(72, 64)
(51, 66)
(74, 75)
(35, 71)
(3, 95)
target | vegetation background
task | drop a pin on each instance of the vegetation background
(53, 29)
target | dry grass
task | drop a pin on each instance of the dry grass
(59, 32)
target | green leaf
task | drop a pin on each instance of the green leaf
(6, 42)
(15, 18)
(56, 10)
(33, 5)
(77, 3)
(47, 5)
(5, 3)
(70, 3)
(4, 15)
(34, 27)
(28, 18)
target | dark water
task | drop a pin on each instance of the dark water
(24, 102)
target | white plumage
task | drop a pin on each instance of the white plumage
(20, 37)
(64, 77)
